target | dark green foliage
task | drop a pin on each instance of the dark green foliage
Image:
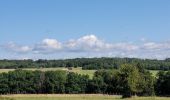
(87, 63)
(104, 81)
(21, 81)
(135, 81)
(163, 83)
(147, 83)
(97, 85)
(55, 81)
(76, 83)
(4, 87)
(128, 80)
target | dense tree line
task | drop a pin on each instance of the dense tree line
(88, 63)
(163, 83)
(128, 80)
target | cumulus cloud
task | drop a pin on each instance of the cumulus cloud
(156, 46)
(17, 48)
(87, 43)
(95, 47)
(47, 46)
(51, 43)
(125, 46)
(152, 46)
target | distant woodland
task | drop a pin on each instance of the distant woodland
(118, 76)
(87, 63)
(127, 81)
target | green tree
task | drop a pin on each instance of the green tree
(163, 83)
(4, 88)
(76, 83)
(129, 80)
(55, 81)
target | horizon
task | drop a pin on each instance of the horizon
(63, 29)
(89, 58)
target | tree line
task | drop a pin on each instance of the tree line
(128, 80)
(87, 63)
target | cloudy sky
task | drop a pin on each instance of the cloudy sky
(59, 29)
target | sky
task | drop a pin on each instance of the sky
(61, 29)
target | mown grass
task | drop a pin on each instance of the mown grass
(75, 97)
(76, 70)
(83, 72)
(154, 72)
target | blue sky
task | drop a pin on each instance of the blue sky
(52, 29)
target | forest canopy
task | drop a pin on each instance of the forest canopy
(87, 63)
(127, 81)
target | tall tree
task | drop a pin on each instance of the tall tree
(55, 81)
(129, 80)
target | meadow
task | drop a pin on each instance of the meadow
(75, 70)
(74, 97)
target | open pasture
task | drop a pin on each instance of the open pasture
(75, 97)
(76, 70)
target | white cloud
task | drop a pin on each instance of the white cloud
(125, 46)
(156, 46)
(92, 46)
(51, 43)
(87, 43)
(47, 46)
(17, 48)
(152, 46)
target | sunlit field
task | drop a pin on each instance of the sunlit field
(154, 72)
(76, 70)
(75, 97)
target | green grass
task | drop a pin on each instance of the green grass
(154, 72)
(83, 72)
(75, 97)
(76, 70)
(6, 70)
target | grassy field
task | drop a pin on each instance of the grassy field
(83, 72)
(154, 72)
(75, 97)
(76, 70)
